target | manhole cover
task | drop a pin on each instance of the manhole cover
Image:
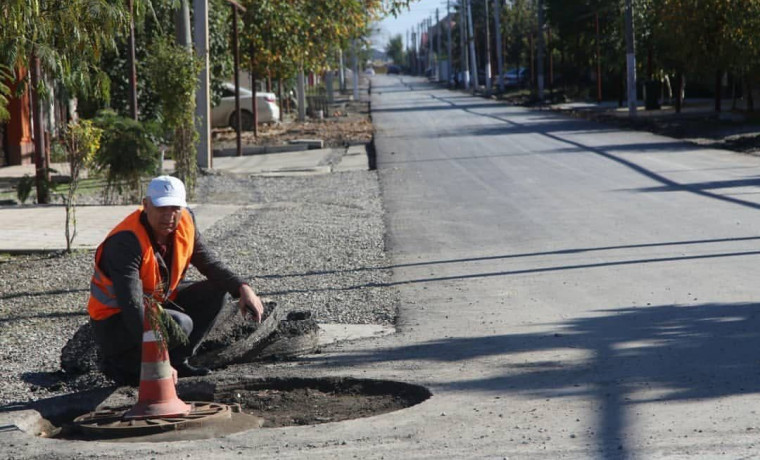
(257, 403)
(110, 423)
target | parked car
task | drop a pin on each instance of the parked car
(393, 69)
(223, 115)
(516, 77)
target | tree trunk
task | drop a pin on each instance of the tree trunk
(254, 102)
(42, 176)
(279, 96)
(718, 75)
(679, 91)
(750, 100)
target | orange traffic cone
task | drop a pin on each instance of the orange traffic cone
(157, 396)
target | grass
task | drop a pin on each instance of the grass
(88, 188)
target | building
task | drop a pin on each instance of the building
(17, 146)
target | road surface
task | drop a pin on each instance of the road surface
(570, 289)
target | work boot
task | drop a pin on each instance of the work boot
(185, 369)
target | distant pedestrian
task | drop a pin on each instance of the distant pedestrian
(146, 257)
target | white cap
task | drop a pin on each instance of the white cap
(167, 191)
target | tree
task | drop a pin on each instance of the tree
(81, 140)
(693, 37)
(64, 40)
(286, 36)
(395, 49)
(5, 90)
(744, 24)
(174, 74)
(155, 21)
(128, 151)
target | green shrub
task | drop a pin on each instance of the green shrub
(174, 75)
(24, 188)
(81, 140)
(128, 151)
(57, 153)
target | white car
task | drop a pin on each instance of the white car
(223, 115)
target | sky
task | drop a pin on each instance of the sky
(418, 11)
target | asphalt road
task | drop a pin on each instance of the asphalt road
(570, 289)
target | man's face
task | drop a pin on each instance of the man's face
(163, 220)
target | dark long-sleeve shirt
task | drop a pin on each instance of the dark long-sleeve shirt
(121, 260)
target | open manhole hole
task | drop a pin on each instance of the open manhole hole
(301, 401)
(254, 403)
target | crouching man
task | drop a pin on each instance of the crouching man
(147, 255)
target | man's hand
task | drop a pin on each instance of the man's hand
(250, 304)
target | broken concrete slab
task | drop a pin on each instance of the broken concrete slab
(357, 160)
(282, 334)
(233, 339)
(293, 163)
(356, 149)
(310, 143)
(260, 149)
(336, 332)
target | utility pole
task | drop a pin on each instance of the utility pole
(301, 93)
(463, 47)
(408, 53)
(236, 59)
(341, 72)
(630, 58)
(431, 57)
(202, 93)
(473, 57)
(497, 31)
(413, 52)
(449, 56)
(426, 46)
(419, 49)
(598, 62)
(254, 98)
(182, 24)
(355, 58)
(132, 62)
(540, 53)
(488, 50)
(437, 55)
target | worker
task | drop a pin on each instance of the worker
(146, 257)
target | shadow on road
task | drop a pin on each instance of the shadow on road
(633, 355)
(550, 130)
(551, 126)
(559, 266)
(669, 352)
(585, 250)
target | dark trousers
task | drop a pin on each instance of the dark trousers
(197, 308)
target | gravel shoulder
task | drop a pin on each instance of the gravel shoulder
(313, 243)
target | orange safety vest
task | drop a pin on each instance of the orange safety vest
(102, 303)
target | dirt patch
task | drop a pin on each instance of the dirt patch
(348, 123)
(735, 130)
(309, 406)
(263, 403)
(737, 133)
(287, 402)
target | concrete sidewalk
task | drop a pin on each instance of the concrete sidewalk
(31, 228)
(695, 107)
